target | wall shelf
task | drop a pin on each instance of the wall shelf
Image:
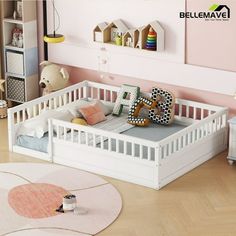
(150, 37)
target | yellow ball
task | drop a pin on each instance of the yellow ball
(79, 121)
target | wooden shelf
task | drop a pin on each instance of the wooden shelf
(151, 35)
(13, 21)
(15, 75)
(10, 47)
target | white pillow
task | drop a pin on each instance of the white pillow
(107, 107)
(38, 126)
(74, 107)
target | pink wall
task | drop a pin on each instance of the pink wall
(211, 43)
(79, 74)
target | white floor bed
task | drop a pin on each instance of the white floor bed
(138, 155)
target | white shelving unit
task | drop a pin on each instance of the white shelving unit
(21, 63)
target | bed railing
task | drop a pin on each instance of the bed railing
(193, 133)
(185, 111)
(123, 145)
(31, 109)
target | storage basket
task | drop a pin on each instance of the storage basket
(16, 89)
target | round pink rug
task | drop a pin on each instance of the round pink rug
(30, 193)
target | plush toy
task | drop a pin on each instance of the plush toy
(126, 91)
(134, 111)
(53, 77)
(164, 112)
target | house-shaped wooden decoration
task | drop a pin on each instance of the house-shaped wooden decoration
(114, 28)
(130, 38)
(157, 28)
(98, 32)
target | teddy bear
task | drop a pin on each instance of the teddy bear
(53, 77)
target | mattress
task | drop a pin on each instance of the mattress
(154, 132)
(111, 124)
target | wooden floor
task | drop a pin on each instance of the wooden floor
(202, 203)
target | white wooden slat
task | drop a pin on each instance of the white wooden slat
(99, 94)
(125, 147)
(60, 101)
(94, 140)
(166, 150)
(187, 111)
(79, 137)
(141, 151)
(179, 144)
(109, 144)
(133, 149)
(58, 133)
(34, 111)
(54, 103)
(184, 140)
(148, 153)
(198, 134)
(87, 138)
(215, 125)
(70, 97)
(40, 108)
(75, 95)
(23, 115)
(117, 146)
(195, 113)
(64, 132)
(102, 142)
(180, 110)
(72, 135)
(189, 137)
(18, 117)
(175, 145)
(202, 113)
(210, 127)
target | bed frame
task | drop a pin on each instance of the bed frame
(116, 155)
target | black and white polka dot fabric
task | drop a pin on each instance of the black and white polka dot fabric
(135, 108)
(164, 112)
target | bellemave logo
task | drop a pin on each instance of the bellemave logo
(215, 12)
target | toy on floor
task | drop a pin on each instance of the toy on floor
(151, 43)
(164, 111)
(133, 117)
(69, 203)
(53, 77)
(122, 98)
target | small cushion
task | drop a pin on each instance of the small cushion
(93, 113)
(74, 107)
(79, 121)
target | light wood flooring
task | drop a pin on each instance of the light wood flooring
(202, 203)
